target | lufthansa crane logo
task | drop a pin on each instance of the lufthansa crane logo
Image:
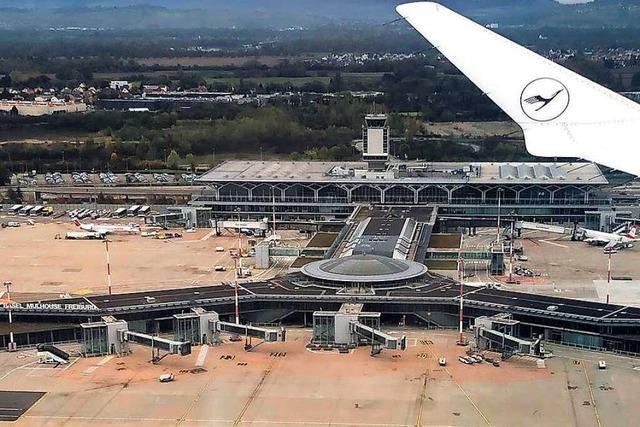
(544, 99)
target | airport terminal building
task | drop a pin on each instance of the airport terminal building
(330, 190)
(313, 190)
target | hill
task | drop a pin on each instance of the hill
(145, 14)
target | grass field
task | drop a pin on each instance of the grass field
(220, 76)
(322, 240)
(365, 78)
(294, 81)
(159, 73)
(34, 134)
(21, 76)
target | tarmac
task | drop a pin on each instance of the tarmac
(566, 269)
(37, 262)
(285, 384)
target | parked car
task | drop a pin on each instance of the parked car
(166, 378)
(465, 360)
(476, 358)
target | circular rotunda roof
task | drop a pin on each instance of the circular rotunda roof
(364, 268)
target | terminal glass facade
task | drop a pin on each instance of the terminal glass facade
(187, 328)
(94, 340)
(554, 201)
(324, 329)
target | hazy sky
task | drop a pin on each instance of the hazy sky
(573, 1)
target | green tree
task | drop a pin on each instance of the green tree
(15, 195)
(5, 174)
(335, 84)
(173, 159)
(6, 81)
(191, 161)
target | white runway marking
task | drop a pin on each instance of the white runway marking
(105, 360)
(554, 243)
(102, 362)
(208, 236)
(219, 421)
(202, 356)
(90, 370)
(15, 369)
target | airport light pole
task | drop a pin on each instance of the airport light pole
(235, 288)
(106, 246)
(511, 254)
(498, 230)
(7, 285)
(237, 264)
(461, 317)
(608, 277)
(239, 239)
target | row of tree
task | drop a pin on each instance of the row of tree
(151, 141)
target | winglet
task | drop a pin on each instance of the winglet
(561, 113)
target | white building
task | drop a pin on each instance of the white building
(118, 84)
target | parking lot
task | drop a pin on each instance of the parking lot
(103, 178)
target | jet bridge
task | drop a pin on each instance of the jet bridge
(377, 337)
(267, 335)
(200, 326)
(157, 343)
(499, 332)
(526, 225)
(503, 341)
(112, 336)
(350, 327)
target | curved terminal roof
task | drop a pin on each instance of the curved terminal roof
(363, 269)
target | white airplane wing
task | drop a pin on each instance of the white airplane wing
(611, 245)
(561, 113)
(597, 242)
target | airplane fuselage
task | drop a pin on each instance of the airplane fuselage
(109, 229)
(600, 236)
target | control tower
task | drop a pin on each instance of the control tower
(375, 139)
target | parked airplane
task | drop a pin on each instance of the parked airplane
(611, 241)
(561, 113)
(109, 228)
(84, 235)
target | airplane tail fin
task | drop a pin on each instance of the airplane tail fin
(77, 223)
(561, 113)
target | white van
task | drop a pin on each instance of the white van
(219, 249)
